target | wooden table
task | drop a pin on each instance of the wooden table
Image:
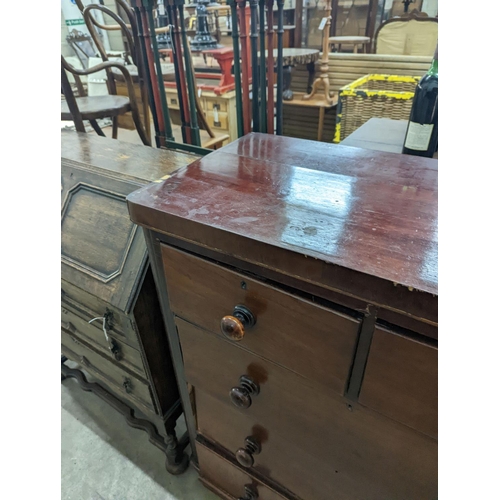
(351, 40)
(298, 283)
(380, 134)
(317, 101)
(291, 57)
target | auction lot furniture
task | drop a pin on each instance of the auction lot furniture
(111, 323)
(298, 282)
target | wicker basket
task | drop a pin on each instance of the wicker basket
(373, 96)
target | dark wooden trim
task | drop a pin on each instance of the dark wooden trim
(177, 460)
(173, 339)
(362, 350)
(265, 480)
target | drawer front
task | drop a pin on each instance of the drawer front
(217, 119)
(224, 476)
(215, 104)
(311, 340)
(94, 335)
(290, 409)
(281, 459)
(401, 381)
(89, 306)
(123, 383)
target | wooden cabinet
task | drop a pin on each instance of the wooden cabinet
(293, 310)
(111, 323)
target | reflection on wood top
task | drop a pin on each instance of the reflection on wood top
(367, 211)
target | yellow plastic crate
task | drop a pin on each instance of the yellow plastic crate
(373, 96)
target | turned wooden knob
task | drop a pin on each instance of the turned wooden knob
(245, 455)
(241, 395)
(233, 327)
(250, 493)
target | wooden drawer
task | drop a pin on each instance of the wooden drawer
(226, 479)
(217, 120)
(215, 104)
(123, 382)
(89, 306)
(94, 335)
(298, 420)
(401, 380)
(309, 339)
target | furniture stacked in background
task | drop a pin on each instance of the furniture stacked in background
(313, 363)
(343, 70)
(411, 35)
(111, 323)
(82, 107)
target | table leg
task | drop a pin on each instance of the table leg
(320, 123)
(287, 82)
(355, 51)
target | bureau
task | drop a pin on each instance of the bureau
(298, 283)
(111, 324)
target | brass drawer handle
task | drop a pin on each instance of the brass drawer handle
(251, 493)
(233, 327)
(245, 455)
(241, 396)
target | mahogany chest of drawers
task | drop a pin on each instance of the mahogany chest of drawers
(298, 282)
(111, 324)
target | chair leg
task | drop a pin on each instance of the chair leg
(115, 127)
(96, 127)
(138, 125)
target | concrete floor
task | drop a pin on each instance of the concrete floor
(103, 458)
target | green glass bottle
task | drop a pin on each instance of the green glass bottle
(422, 132)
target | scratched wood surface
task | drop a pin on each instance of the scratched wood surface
(370, 213)
(128, 160)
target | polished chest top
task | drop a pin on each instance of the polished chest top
(299, 287)
(356, 214)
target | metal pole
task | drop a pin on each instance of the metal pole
(279, 69)
(159, 75)
(179, 73)
(147, 75)
(255, 65)
(237, 68)
(245, 64)
(270, 68)
(262, 66)
(195, 131)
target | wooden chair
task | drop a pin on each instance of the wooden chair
(92, 108)
(412, 34)
(214, 140)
